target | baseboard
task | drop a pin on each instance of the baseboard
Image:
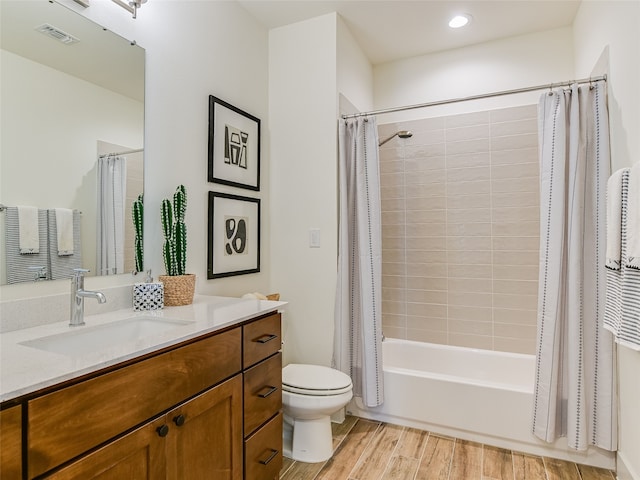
(624, 471)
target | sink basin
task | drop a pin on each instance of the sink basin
(83, 340)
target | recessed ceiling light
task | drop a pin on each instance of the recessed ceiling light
(460, 20)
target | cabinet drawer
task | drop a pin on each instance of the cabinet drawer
(261, 339)
(11, 442)
(262, 392)
(263, 452)
(68, 422)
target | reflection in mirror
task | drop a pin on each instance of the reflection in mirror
(72, 113)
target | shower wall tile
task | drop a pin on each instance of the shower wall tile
(461, 229)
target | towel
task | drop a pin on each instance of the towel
(64, 231)
(633, 218)
(28, 230)
(614, 220)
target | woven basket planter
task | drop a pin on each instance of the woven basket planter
(178, 290)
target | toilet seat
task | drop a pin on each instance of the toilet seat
(314, 380)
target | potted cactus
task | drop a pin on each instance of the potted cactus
(138, 214)
(178, 286)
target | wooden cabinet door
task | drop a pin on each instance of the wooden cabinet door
(11, 443)
(205, 435)
(138, 455)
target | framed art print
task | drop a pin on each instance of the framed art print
(234, 235)
(234, 146)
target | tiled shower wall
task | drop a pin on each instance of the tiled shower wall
(460, 216)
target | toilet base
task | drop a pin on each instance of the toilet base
(308, 441)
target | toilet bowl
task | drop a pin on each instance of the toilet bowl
(310, 395)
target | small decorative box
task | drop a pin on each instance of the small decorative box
(148, 296)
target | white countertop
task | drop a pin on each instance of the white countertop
(25, 369)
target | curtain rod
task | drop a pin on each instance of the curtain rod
(138, 150)
(478, 97)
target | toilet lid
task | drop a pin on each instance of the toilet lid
(314, 380)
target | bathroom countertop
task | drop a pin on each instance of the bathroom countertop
(25, 369)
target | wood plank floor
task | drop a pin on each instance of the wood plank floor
(368, 450)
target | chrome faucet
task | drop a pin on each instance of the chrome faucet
(78, 294)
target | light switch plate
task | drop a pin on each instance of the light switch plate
(314, 238)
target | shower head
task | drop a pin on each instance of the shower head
(401, 134)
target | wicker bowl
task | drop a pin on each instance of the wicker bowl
(178, 290)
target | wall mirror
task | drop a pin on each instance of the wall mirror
(72, 93)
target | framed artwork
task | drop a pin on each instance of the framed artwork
(234, 146)
(234, 235)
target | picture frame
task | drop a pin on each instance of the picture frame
(234, 146)
(233, 235)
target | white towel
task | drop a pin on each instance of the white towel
(614, 220)
(28, 230)
(633, 218)
(64, 231)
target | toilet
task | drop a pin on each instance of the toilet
(310, 395)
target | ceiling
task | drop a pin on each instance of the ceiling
(389, 30)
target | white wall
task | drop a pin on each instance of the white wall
(511, 63)
(302, 120)
(194, 49)
(355, 72)
(601, 30)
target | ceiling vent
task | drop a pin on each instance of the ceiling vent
(57, 34)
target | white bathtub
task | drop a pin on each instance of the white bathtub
(477, 395)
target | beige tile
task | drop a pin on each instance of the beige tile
(425, 256)
(470, 271)
(427, 296)
(420, 230)
(392, 179)
(526, 287)
(516, 243)
(523, 302)
(514, 142)
(426, 216)
(425, 164)
(392, 204)
(515, 345)
(469, 244)
(517, 229)
(513, 157)
(522, 170)
(466, 160)
(468, 146)
(393, 218)
(394, 281)
(393, 268)
(469, 285)
(433, 324)
(422, 124)
(505, 257)
(426, 243)
(395, 165)
(428, 336)
(427, 270)
(471, 341)
(395, 308)
(463, 257)
(524, 332)
(387, 129)
(515, 127)
(515, 185)
(392, 255)
(469, 229)
(392, 243)
(515, 316)
(425, 190)
(427, 136)
(391, 192)
(393, 231)
(389, 153)
(470, 327)
(478, 200)
(520, 199)
(395, 332)
(514, 113)
(471, 174)
(470, 299)
(393, 320)
(394, 294)
(425, 151)
(479, 314)
(467, 119)
(468, 215)
(427, 310)
(468, 188)
(426, 203)
(516, 214)
(425, 177)
(426, 283)
(472, 132)
(508, 272)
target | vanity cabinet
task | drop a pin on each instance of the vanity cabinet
(10, 442)
(206, 408)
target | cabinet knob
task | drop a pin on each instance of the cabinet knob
(179, 420)
(163, 431)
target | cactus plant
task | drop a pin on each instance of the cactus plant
(174, 250)
(138, 211)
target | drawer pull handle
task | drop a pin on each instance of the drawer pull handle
(266, 338)
(163, 431)
(179, 420)
(271, 457)
(269, 390)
